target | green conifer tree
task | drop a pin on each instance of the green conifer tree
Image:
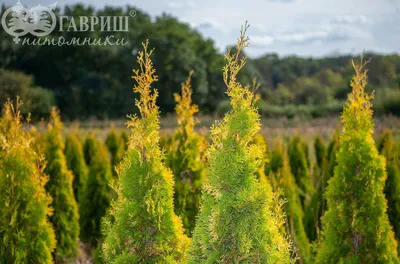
(261, 142)
(314, 210)
(143, 227)
(65, 218)
(331, 152)
(125, 140)
(116, 147)
(26, 234)
(390, 151)
(356, 227)
(293, 209)
(96, 195)
(186, 158)
(76, 163)
(236, 222)
(320, 151)
(299, 167)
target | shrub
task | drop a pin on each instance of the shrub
(65, 218)
(356, 227)
(236, 222)
(186, 159)
(26, 234)
(96, 195)
(142, 227)
(39, 102)
(76, 163)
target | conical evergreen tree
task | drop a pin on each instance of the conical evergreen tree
(186, 158)
(260, 141)
(314, 210)
(116, 147)
(145, 228)
(356, 227)
(320, 151)
(331, 153)
(96, 195)
(125, 140)
(390, 151)
(26, 234)
(76, 163)
(237, 223)
(299, 166)
(65, 218)
(294, 212)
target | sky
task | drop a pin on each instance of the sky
(287, 27)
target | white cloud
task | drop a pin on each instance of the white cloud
(323, 34)
(181, 4)
(211, 24)
(351, 20)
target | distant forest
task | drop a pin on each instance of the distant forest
(94, 81)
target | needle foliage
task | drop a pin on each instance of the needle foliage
(186, 158)
(26, 234)
(65, 217)
(236, 222)
(356, 226)
(143, 227)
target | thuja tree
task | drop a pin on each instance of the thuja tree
(186, 159)
(143, 227)
(299, 167)
(96, 195)
(324, 172)
(280, 170)
(261, 142)
(76, 163)
(356, 225)
(116, 147)
(236, 222)
(26, 234)
(320, 151)
(314, 210)
(390, 150)
(65, 218)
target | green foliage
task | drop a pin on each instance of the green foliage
(26, 234)
(116, 147)
(319, 151)
(96, 195)
(125, 140)
(298, 161)
(142, 227)
(65, 218)
(293, 209)
(38, 101)
(390, 151)
(186, 158)
(331, 153)
(236, 222)
(261, 142)
(76, 163)
(356, 227)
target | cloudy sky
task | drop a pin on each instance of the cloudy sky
(303, 27)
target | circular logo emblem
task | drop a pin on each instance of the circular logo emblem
(18, 21)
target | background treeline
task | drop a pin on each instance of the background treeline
(93, 81)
